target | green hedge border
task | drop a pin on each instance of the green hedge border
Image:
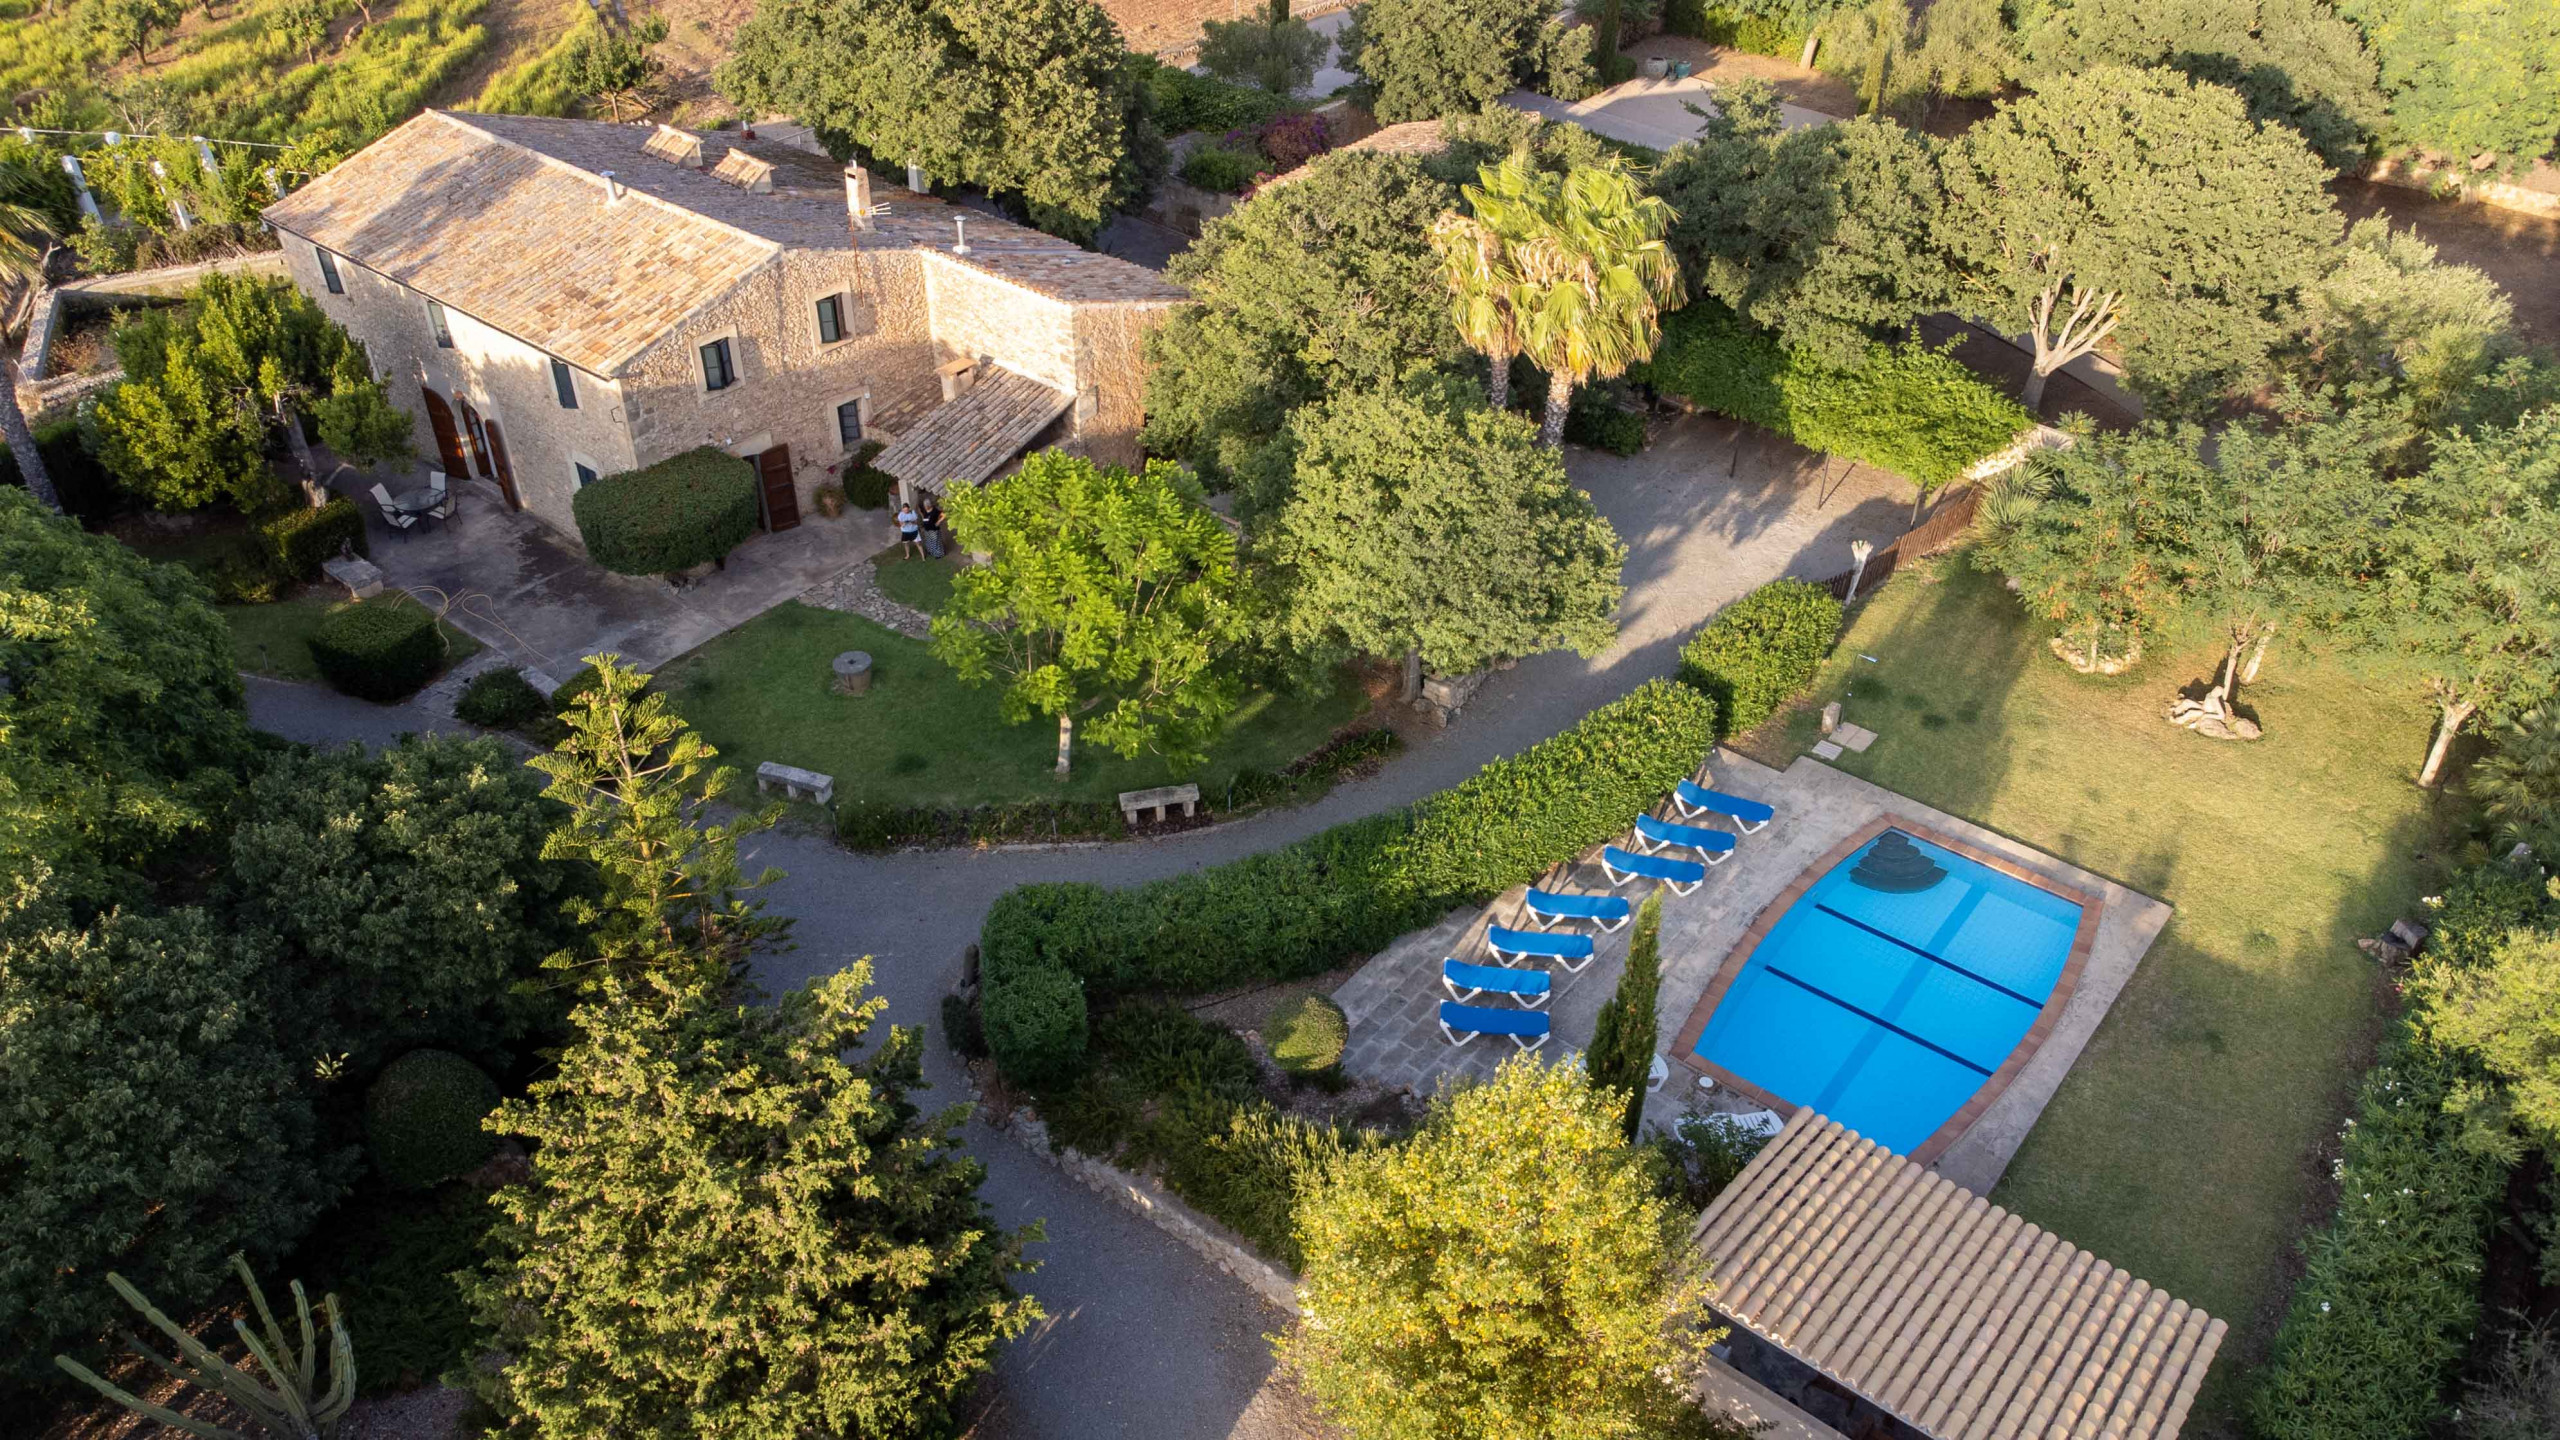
(1347, 891)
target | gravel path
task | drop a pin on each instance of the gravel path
(1144, 1339)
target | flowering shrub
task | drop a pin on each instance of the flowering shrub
(1292, 140)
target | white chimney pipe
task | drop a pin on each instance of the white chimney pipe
(961, 245)
(612, 187)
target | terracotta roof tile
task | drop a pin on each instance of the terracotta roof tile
(1957, 1316)
(505, 218)
(968, 439)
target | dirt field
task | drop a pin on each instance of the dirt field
(2519, 251)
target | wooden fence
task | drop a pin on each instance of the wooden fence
(1953, 515)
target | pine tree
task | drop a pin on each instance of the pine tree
(729, 1229)
(1621, 1053)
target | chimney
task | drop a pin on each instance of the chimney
(915, 180)
(857, 195)
(960, 246)
(612, 187)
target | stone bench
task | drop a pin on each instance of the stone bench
(1161, 800)
(362, 578)
(795, 782)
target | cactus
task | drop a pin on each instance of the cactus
(284, 1404)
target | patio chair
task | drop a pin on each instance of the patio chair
(1573, 952)
(1549, 907)
(1462, 1023)
(1693, 799)
(1655, 836)
(440, 487)
(1678, 876)
(1528, 987)
(400, 524)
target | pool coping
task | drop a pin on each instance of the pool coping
(2083, 940)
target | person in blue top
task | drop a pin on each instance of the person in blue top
(909, 539)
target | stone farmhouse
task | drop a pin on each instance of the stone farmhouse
(557, 301)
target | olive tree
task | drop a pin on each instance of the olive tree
(2138, 206)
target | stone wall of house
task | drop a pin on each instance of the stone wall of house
(789, 382)
(501, 379)
(979, 317)
(1111, 356)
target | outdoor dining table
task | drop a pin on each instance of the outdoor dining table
(418, 502)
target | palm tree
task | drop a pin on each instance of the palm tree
(1475, 260)
(1595, 280)
(26, 239)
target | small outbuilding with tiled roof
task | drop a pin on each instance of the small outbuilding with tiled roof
(1861, 1284)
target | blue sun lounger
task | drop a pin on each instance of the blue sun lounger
(1462, 1023)
(1680, 876)
(1571, 951)
(1606, 911)
(1694, 799)
(1529, 987)
(1653, 836)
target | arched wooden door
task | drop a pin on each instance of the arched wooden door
(448, 436)
(501, 471)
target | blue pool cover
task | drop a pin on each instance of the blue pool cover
(1887, 1012)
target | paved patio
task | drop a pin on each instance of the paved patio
(1393, 1001)
(1651, 113)
(524, 591)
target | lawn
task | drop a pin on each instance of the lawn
(916, 583)
(2183, 1146)
(274, 639)
(764, 692)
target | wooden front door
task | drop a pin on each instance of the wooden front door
(478, 435)
(781, 497)
(500, 470)
(448, 439)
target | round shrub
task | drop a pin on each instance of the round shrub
(422, 1118)
(498, 699)
(1034, 1018)
(674, 515)
(1760, 651)
(380, 649)
(1307, 1035)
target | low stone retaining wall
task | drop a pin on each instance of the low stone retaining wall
(1166, 1211)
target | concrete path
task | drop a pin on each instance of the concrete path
(519, 587)
(1145, 1339)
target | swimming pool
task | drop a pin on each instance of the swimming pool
(1891, 989)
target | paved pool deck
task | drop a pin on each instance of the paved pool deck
(1393, 1001)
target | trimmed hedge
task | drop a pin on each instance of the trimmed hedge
(1347, 891)
(674, 515)
(422, 1118)
(301, 540)
(1308, 1035)
(1219, 170)
(867, 488)
(380, 649)
(499, 699)
(1906, 408)
(2390, 1296)
(1761, 651)
(865, 825)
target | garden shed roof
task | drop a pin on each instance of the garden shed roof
(966, 440)
(1957, 1316)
